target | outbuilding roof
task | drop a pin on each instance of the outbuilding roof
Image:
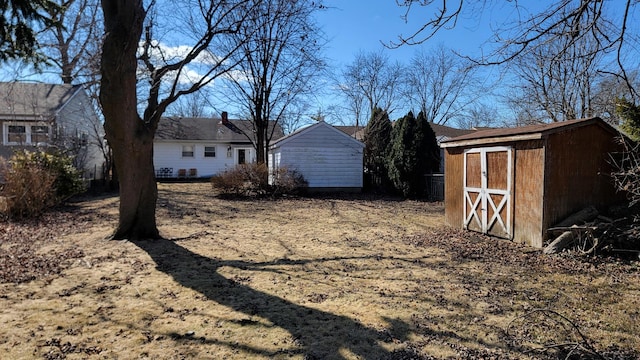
(310, 128)
(531, 132)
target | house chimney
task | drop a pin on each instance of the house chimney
(225, 119)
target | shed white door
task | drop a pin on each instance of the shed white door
(487, 191)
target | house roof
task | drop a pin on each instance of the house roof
(356, 132)
(530, 132)
(34, 99)
(310, 128)
(208, 129)
(444, 132)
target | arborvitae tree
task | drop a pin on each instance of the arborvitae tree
(630, 115)
(431, 150)
(413, 153)
(376, 139)
(402, 156)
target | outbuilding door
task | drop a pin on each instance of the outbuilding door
(487, 191)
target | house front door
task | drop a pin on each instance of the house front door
(487, 191)
(242, 156)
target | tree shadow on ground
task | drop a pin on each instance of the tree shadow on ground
(317, 334)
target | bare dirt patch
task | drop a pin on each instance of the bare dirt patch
(303, 278)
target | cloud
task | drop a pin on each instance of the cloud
(162, 53)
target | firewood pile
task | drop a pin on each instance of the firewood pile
(591, 233)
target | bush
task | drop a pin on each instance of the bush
(252, 179)
(288, 181)
(34, 181)
(244, 179)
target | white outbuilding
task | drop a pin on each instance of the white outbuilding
(329, 159)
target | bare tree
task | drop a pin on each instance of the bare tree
(606, 22)
(478, 115)
(74, 47)
(130, 134)
(194, 105)
(372, 81)
(439, 83)
(278, 59)
(556, 81)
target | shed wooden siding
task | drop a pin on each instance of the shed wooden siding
(528, 191)
(454, 187)
(326, 157)
(577, 171)
(556, 171)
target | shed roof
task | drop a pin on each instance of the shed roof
(531, 132)
(310, 128)
(208, 129)
(34, 99)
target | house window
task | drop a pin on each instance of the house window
(187, 150)
(26, 134)
(39, 134)
(17, 134)
(209, 151)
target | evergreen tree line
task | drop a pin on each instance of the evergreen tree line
(398, 156)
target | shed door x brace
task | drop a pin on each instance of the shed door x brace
(487, 191)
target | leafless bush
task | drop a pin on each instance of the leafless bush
(288, 181)
(244, 179)
(252, 179)
(626, 173)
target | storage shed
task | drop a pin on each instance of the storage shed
(329, 159)
(517, 182)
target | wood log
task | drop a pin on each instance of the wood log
(561, 242)
(587, 214)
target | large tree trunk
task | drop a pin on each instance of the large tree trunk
(129, 137)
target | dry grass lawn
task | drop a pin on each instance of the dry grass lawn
(304, 278)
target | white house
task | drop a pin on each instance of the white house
(37, 115)
(203, 147)
(328, 158)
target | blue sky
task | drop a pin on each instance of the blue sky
(353, 25)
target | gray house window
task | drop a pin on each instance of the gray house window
(17, 134)
(39, 134)
(25, 134)
(209, 151)
(187, 150)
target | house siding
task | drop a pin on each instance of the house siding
(169, 155)
(75, 118)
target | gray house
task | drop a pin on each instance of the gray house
(36, 115)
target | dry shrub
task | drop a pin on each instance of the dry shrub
(244, 179)
(288, 181)
(34, 181)
(27, 190)
(252, 180)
